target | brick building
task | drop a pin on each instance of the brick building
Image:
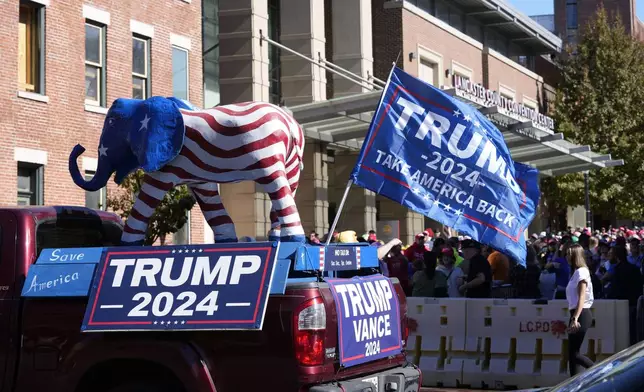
(224, 51)
(459, 46)
(63, 63)
(572, 15)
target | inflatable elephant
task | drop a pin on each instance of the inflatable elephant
(178, 144)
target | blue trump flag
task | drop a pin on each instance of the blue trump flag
(442, 158)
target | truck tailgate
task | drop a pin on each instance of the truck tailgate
(331, 369)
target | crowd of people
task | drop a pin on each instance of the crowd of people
(440, 265)
(577, 265)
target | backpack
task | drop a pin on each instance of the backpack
(440, 286)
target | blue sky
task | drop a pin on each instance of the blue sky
(536, 7)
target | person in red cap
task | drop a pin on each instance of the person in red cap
(398, 266)
(417, 250)
(429, 238)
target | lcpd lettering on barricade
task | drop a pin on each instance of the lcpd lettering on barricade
(556, 327)
(369, 320)
(203, 287)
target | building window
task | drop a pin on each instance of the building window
(530, 103)
(210, 22)
(140, 68)
(274, 55)
(31, 44)
(571, 37)
(571, 14)
(442, 11)
(425, 5)
(461, 71)
(95, 64)
(96, 200)
(506, 92)
(182, 236)
(457, 19)
(30, 184)
(428, 72)
(474, 29)
(179, 73)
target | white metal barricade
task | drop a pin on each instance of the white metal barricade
(498, 344)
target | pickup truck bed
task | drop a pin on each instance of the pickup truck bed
(42, 348)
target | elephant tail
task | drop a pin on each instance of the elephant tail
(297, 135)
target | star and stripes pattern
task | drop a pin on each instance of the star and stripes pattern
(251, 141)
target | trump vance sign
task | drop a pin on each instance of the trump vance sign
(368, 318)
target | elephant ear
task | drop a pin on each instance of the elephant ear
(156, 133)
(183, 104)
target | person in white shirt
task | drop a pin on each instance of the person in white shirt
(579, 293)
(454, 275)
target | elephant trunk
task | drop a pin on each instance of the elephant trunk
(102, 175)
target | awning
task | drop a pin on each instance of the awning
(511, 23)
(500, 15)
(343, 123)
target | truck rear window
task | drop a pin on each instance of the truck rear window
(76, 233)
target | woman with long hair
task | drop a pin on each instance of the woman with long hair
(579, 293)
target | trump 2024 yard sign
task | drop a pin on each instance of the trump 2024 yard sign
(201, 287)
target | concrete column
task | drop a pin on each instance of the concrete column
(243, 76)
(352, 43)
(302, 29)
(249, 207)
(243, 62)
(359, 213)
(411, 223)
(312, 194)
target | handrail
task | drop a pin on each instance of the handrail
(379, 84)
(370, 86)
(376, 79)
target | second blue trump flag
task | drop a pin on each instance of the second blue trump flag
(442, 158)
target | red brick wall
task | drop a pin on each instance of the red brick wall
(58, 125)
(523, 84)
(387, 27)
(418, 31)
(586, 10)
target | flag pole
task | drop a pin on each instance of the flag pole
(338, 213)
(350, 183)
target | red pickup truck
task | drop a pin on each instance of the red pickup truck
(42, 347)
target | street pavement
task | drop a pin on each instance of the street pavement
(450, 390)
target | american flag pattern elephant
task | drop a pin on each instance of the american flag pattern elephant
(250, 141)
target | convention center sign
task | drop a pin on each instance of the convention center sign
(475, 92)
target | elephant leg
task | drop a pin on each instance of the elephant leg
(279, 191)
(207, 195)
(152, 192)
(293, 176)
(274, 233)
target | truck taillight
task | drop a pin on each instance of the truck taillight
(405, 324)
(309, 331)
